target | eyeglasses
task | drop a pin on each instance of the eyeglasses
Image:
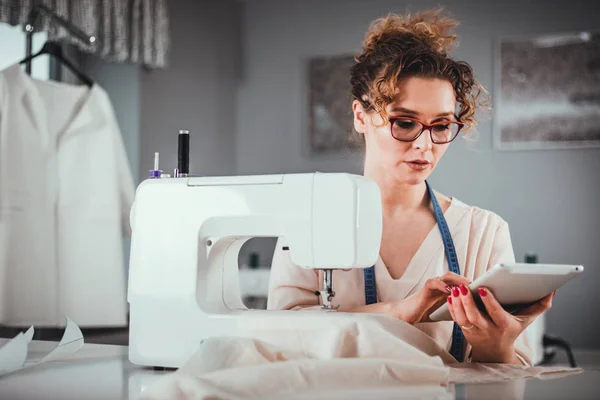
(408, 129)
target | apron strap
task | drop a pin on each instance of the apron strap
(370, 288)
(457, 347)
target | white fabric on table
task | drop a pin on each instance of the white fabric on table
(372, 356)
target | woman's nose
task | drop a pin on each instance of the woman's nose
(423, 142)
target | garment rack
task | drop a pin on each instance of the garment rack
(41, 9)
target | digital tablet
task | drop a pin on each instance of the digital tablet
(517, 286)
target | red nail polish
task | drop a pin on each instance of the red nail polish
(482, 292)
(448, 289)
(455, 291)
(450, 299)
(464, 290)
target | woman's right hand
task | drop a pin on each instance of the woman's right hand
(418, 306)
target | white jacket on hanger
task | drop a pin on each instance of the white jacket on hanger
(66, 190)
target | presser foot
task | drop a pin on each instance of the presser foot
(328, 294)
(327, 299)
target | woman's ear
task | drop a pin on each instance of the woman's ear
(360, 117)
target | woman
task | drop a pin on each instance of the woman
(411, 99)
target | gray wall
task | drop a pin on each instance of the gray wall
(549, 198)
(196, 91)
(122, 83)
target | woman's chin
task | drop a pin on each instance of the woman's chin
(416, 180)
(412, 177)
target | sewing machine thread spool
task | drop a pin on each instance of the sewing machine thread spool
(183, 153)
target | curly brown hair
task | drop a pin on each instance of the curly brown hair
(397, 47)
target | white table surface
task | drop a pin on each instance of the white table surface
(104, 372)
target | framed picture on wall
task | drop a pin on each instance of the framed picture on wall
(330, 127)
(547, 92)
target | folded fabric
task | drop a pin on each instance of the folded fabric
(284, 379)
(346, 335)
(489, 373)
(370, 356)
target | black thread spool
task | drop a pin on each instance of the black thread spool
(183, 153)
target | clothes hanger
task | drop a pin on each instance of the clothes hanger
(55, 50)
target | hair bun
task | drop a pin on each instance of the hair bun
(427, 28)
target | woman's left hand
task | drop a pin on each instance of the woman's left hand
(492, 336)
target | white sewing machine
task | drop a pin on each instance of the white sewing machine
(187, 233)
